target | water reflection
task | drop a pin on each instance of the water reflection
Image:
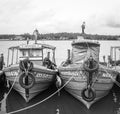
(66, 103)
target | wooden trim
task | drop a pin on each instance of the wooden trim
(12, 55)
(8, 58)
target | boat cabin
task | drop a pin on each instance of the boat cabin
(35, 52)
(83, 49)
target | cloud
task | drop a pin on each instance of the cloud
(113, 24)
(20, 16)
(113, 21)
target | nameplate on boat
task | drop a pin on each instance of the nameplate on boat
(30, 46)
(104, 75)
(73, 73)
(12, 73)
(42, 75)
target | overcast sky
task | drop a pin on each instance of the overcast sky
(23, 16)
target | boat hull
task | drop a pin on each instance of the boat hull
(102, 83)
(43, 79)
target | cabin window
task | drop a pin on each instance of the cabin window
(9, 57)
(13, 56)
(31, 53)
(36, 53)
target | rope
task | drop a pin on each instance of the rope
(88, 49)
(9, 90)
(24, 67)
(115, 81)
(95, 80)
(43, 99)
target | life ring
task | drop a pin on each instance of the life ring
(91, 92)
(22, 76)
(89, 69)
(26, 64)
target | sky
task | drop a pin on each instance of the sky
(52, 16)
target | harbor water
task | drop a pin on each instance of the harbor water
(65, 103)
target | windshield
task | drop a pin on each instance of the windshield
(80, 53)
(31, 53)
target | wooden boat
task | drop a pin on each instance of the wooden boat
(114, 58)
(31, 67)
(114, 61)
(87, 79)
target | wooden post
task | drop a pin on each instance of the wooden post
(119, 53)
(48, 55)
(42, 53)
(12, 55)
(27, 40)
(115, 55)
(68, 54)
(8, 58)
(17, 56)
(54, 56)
(111, 53)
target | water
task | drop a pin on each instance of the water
(61, 48)
(66, 103)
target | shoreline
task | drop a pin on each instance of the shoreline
(61, 40)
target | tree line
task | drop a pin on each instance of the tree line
(59, 36)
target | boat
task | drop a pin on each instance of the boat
(114, 61)
(87, 79)
(114, 58)
(31, 67)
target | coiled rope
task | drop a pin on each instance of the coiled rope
(43, 99)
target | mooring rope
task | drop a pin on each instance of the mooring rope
(115, 81)
(9, 90)
(43, 99)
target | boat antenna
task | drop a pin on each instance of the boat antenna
(36, 33)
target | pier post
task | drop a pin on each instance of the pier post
(68, 54)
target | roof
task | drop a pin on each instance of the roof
(115, 47)
(85, 42)
(33, 46)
